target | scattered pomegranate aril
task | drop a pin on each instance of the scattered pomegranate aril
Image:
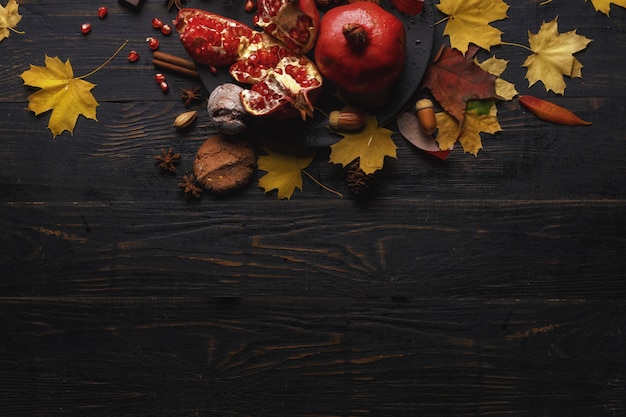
(250, 5)
(102, 12)
(166, 29)
(159, 78)
(164, 87)
(85, 28)
(133, 56)
(157, 23)
(153, 43)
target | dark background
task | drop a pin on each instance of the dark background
(475, 286)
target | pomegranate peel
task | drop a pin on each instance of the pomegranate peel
(284, 83)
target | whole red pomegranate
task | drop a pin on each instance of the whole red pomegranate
(361, 47)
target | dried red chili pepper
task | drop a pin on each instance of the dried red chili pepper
(551, 112)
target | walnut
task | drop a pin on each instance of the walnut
(226, 112)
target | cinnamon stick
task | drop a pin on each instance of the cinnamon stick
(176, 68)
(173, 59)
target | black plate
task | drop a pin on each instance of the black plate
(314, 132)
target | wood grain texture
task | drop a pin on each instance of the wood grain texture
(312, 357)
(387, 248)
(470, 287)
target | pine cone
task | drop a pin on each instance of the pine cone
(358, 181)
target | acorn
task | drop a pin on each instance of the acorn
(426, 116)
(346, 121)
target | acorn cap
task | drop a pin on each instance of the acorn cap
(424, 103)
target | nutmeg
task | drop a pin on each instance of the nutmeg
(426, 116)
(224, 164)
(346, 121)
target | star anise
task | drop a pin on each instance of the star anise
(168, 159)
(177, 3)
(191, 95)
(190, 187)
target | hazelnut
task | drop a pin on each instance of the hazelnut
(346, 121)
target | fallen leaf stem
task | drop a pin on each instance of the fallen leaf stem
(322, 185)
(19, 32)
(543, 3)
(442, 20)
(105, 62)
(519, 45)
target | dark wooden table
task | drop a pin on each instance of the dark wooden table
(476, 286)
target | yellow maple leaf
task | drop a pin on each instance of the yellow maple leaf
(369, 145)
(553, 56)
(66, 96)
(9, 18)
(496, 66)
(480, 116)
(468, 22)
(604, 6)
(284, 165)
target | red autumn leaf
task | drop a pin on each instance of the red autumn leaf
(453, 79)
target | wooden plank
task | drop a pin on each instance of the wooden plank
(451, 248)
(60, 22)
(113, 159)
(311, 357)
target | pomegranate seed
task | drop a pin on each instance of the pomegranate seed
(133, 56)
(153, 43)
(249, 6)
(102, 12)
(159, 78)
(166, 29)
(164, 87)
(85, 28)
(157, 23)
